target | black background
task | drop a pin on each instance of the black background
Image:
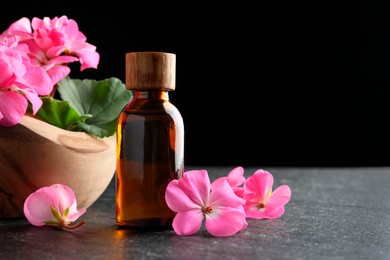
(268, 84)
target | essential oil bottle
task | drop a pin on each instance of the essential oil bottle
(150, 142)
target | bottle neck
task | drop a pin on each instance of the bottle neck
(151, 94)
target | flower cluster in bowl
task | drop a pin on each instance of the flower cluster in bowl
(34, 59)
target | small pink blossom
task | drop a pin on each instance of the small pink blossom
(235, 178)
(261, 202)
(61, 35)
(192, 200)
(54, 206)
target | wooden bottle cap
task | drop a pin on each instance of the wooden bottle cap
(150, 70)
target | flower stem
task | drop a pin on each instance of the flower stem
(68, 227)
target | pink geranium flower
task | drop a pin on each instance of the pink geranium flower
(192, 200)
(54, 205)
(54, 43)
(261, 202)
(235, 178)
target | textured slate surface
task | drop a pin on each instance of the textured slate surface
(334, 213)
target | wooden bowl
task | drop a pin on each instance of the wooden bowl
(34, 154)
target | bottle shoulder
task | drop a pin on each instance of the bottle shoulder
(152, 109)
(149, 105)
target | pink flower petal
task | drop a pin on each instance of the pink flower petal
(57, 73)
(218, 182)
(235, 178)
(12, 107)
(88, 59)
(275, 213)
(223, 195)
(37, 79)
(55, 51)
(187, 223)
(59, 60)
(7, 75)
(226, 222)
(177, 199)
(196, 184)
(239, 192)
(279, 198)
(72, 29)
(227, 215)
(22, 25)
(63, 198)
(74, 215)
(21, 29)
(251, 206)
(37, 207)
(32, 96)
(255, 214)
(260, 182)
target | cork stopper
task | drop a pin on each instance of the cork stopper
(150, 70)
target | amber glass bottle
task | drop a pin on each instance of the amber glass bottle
(150, 142)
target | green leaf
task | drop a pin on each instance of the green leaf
(103, 100)
(59, 113)
(101, 130)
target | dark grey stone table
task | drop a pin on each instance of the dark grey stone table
(334, 213)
